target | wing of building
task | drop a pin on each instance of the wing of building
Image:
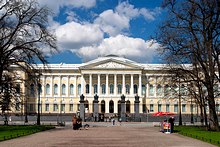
(109, 78)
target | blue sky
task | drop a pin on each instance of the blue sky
(86, 29)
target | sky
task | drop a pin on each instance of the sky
(87, 29)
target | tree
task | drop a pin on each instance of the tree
(10, 94)
(190, 34)
(24, 34)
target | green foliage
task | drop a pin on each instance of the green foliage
(9, 132)
(200, 133)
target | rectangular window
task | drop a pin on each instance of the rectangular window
(159, 107)
(151, 90)
(151, 107)
(191, 108)
(31, 107)
(183, 107)
(17, 106)
(167, 107)
(47, 107)
(62, 107)
(175, 108)
(55, 107)
(71, 107)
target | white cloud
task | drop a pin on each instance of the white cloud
(74, 35)
(55, 5)
(132, 48)
(118, 21)
(112, 23)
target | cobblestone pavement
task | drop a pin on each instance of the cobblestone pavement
(105, 135)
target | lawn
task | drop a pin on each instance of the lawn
(199, 133)
(9, 132)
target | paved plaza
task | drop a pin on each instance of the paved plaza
(105, 135)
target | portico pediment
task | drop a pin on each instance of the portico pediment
(111, 63)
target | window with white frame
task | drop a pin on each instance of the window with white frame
(95, 89)
(183, 107)
(111, 89)
(143, 91)
(175, 107)
(87, 88)
(71, 89)
(135, 89)
(103, 89)
(79, 89)
(47, 107)
(119, 89)
(55, 107)
(159, 90)
(151, 90)
(55, 91)
(62, 107)
(127, 87)
(63, 89)
(159, 107)
(71, 107)
(167, 90)
(167, 107)
(151, 107)
(47, 89)
(32, 90)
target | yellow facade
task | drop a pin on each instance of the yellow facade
(109, 77)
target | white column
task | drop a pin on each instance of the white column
(106, 83)
(67, 86)
(106, 106)
(75, 86)
(132, 85)
(51, 86)
(147, 92)
(98, 86)
(140, 85)
(123, 84)
(43, 86)
(115, 84)
(82, 84)
(59, 86)
(90, 84)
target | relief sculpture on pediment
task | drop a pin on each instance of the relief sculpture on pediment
(111, 65)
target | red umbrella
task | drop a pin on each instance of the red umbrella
(162, 113)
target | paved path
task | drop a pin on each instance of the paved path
(129, 135)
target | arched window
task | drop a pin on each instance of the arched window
(71, 89)
(143, 90)
(166, 90)
(95, 89)
(40, 88)
(103, 89)
(135, 89)
(111, 88)
(79, 89)
(55, 89)
(128, 106)
(127, 89)
(119, 89)
(87, 88)
(159, 90)
(32, 91)
(111, 106)
(102, 106)
(151, 91)
(47, 89)
(182, 90)
(63, 89)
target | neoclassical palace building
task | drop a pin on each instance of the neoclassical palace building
(109, 77)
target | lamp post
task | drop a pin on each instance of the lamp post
(38, 104)
(191, 107)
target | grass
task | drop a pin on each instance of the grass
(10, 132)
(200, 133)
